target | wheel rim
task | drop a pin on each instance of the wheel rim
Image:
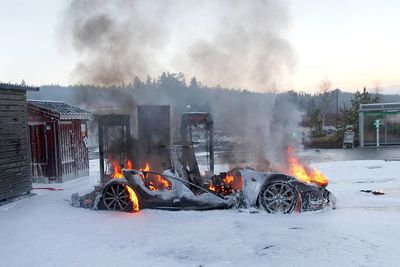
(116, 197)
(278, 198)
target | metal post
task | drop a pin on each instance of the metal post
(337, 110)
(211, 140)
(129, 151)
(386, 143)
(377, 124)
(56, 136)
(377, 136)
(361, 128)
(101, 153)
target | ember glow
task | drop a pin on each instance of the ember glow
(225, 184)
(212, 187)
(154, 182)
(304, 173)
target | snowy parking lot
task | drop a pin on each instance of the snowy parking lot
(44, 230)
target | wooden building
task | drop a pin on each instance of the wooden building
(15, 171)
(58, 137)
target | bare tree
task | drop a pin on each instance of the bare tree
(377, 92)
(325, 95)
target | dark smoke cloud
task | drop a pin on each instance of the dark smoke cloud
(234, 43)
(115, 40)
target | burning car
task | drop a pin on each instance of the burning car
(241, 188)
(183, 187)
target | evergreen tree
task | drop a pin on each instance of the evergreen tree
(137, 83)
(317, 129)
(364, 97)
(193, 83)
(148, 80)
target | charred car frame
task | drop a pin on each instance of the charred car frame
(274, 193)
(183, 187)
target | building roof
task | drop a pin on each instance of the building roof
(380, 107)
(17, 87)
(59, 110)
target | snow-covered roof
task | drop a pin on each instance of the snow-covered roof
(9, 86)
(60, 110)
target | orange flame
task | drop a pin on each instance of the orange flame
(227, 184)
(117, 172)
(304, 173)
(212, 187)
(154, 182)
(229, 178)
(133, 197)
(129, 164)
(146, 167)
(234, 182)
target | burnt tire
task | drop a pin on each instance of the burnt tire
(116, 197)
(278, 197)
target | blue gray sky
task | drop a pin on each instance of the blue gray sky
(351, 43)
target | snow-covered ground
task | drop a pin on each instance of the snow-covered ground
(44, 230)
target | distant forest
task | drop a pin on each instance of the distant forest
(233, 109)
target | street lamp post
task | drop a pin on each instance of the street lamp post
(337, 91)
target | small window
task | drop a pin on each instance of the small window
(83, 129)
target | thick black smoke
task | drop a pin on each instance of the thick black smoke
(234, 43)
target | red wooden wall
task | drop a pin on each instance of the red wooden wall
(58, 149)
(73, 154)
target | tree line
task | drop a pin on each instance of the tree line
(231, 108)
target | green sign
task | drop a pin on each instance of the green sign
(377, 124)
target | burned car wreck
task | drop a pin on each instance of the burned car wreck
(274, 193)
(183, 187)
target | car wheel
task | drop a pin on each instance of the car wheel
(278, 197)
(116, 197)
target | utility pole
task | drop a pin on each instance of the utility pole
(377, 124)
(337, 91)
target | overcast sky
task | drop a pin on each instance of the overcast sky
(351, 43)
